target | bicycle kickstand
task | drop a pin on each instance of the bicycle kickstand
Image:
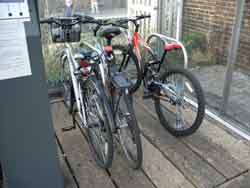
(73, 127)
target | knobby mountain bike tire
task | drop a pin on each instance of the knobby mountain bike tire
(200, 112)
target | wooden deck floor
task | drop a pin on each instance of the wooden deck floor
(212, 157)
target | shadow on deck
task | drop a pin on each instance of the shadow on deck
(212, 157)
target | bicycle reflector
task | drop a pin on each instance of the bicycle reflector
(108, 49)
(84, 67)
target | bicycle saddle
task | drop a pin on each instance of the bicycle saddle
(109, 32)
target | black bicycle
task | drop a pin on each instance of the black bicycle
(117, 86)
(173, 89)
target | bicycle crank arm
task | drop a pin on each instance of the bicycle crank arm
(166, 89)
(164, 92)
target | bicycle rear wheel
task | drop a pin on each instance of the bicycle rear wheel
(100, 121)
(172, 102)
(129, 64)
(129, 133)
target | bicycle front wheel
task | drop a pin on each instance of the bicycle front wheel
(179, 89)
(67, 87)
(129, 133)
(100, 121)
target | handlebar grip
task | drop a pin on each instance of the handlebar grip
(123, 21)
(46, 20)
(77, 15)
(143, 16)
(89, 18)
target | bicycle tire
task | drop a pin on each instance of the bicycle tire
(200, 101)
(127, 54)
(67, 87)
(106, 126)
(135, 132)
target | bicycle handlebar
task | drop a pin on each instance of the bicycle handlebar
(142, 17)
(99, 22)
(77, 18)
(133, 20)
(56, 20)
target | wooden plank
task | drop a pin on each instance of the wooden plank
(229, 155)
(78, 153)
(235, 147)
(124, 176)
(198, 171)
(161, 171)
(242, 181)
(218, 156)
(68, 178)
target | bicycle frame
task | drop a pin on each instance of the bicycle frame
(137, 41)
(76, 85)
(103, 67)
(101, 53)
(73, 67)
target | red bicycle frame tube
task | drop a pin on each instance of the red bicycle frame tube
(136, 39)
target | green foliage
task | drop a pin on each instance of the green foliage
(198, 48)
(52, 63)
(196, 41)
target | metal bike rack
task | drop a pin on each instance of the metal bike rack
(168, 40)
(216, 117)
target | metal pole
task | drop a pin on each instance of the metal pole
(46, 7)
(233, 48)
(179, 20)
(170, 22)
(160, 16)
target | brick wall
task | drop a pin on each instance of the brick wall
(215, 19)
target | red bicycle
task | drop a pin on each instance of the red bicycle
(171, 88)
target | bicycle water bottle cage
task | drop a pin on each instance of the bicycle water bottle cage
(118, 79)
(172, 46)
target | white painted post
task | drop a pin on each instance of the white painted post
(170, 22)
(233, 48)
(179, 20)
(46, 7)
(159, 16)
